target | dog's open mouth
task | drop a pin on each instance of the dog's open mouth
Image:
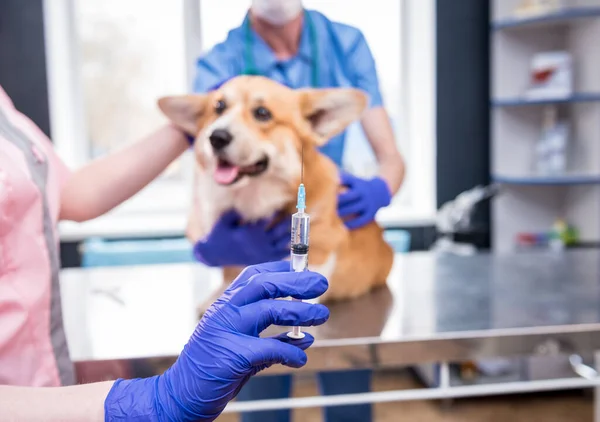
(228, 173)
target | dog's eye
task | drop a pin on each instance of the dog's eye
(220, 107)
(262, 114)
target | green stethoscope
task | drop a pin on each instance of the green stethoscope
(250, 65)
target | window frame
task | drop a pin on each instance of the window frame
(142, 217)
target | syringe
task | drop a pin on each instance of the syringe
(299, 245)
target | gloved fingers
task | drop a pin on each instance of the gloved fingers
(253, 240)
(347, 179)
(349, 197)
(244, 277)
(281, 229)
(201, 253)
(274, 285)
(282, 246)
(280, 238)
(358, 222)
(255, 317)
(267, 223)
(278, 254)
(303, 343)
(261, 225)
(240, 248)
(271, 351)
(229, 218)
(266, 268)
(351, 209)
(381, 191)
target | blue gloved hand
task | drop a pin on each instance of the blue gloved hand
(233, 243)
(225, 350)
(359, 204)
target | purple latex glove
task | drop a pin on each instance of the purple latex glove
(359, 204)
(233, 243)
(225, 350)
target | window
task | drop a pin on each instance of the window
(110, 60)
(123, 48)
(122, 57)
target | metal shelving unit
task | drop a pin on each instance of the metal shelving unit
(520, 102)
(530, 202)
(566, 180)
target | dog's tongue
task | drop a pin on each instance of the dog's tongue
(226, 174)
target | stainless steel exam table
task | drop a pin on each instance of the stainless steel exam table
(435, 309)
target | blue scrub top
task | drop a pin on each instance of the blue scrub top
(345, 60)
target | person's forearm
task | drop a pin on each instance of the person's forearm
(108, 181)
(76, 403)
(378, 129)
(391, 169)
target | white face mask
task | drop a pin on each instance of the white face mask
(277, 12)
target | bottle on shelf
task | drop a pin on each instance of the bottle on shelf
(551, 148)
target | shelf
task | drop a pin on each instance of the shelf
(532, 200)
(548, 180)
(517, 102)
(560, 17)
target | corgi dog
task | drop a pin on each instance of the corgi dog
(249, 137)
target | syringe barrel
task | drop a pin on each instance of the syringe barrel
(300, 231)
(299, 243)
(299, 251)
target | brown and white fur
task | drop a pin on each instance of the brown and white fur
(355, 261)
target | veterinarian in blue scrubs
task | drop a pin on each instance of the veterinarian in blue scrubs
(302, 48)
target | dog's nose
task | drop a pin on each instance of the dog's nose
(220, 138)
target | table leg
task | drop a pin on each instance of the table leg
(445, 384)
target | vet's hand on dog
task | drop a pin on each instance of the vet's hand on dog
(232, 242)
(359, 202)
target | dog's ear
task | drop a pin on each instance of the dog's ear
(185, 111)
(329, 111)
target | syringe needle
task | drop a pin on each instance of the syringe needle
(302, 165)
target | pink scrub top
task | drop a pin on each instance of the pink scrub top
(33, 347)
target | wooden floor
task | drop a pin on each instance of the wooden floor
(573, 406)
